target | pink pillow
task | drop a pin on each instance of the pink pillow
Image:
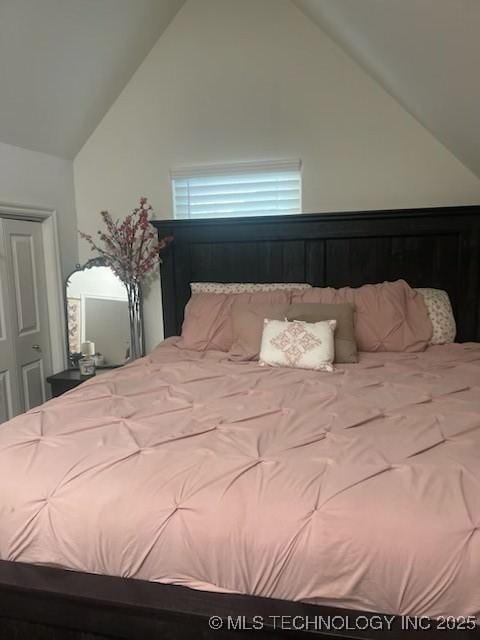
(208, 317)
(389, 316)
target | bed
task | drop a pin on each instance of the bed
(173, 535)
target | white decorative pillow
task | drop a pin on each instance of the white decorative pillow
(301, 345)
(441, 315)
(244, 287)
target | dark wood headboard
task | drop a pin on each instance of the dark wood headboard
(427, 247)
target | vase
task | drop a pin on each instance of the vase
(135, 315)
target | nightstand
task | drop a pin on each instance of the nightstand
(69, 379)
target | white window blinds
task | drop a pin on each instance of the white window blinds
(236, 190)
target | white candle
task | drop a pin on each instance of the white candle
(88, 348)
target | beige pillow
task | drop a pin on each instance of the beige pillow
(345, 342)
(247, 323)
(300, 345)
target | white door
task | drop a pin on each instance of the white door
(9, 392)
(25, 357)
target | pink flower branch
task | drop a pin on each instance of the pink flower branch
(131, 246)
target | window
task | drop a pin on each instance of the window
(236, 190)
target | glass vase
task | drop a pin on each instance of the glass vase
(135, 315)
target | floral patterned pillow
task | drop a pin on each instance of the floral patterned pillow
(300, 345)
(441, 315)
(244, 287)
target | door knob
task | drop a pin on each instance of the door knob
(36, 347)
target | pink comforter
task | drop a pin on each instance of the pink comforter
(359, 488)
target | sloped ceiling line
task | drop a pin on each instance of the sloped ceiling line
(425, 54)
(63, 63)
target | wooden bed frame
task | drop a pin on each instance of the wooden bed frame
(427, 247)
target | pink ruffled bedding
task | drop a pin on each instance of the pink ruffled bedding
(359, 488)
(389, 316)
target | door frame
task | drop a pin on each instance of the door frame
(53, 274)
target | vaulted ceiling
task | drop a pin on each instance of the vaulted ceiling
(425, 53)
(64, 62)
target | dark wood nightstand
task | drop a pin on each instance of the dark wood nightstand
(69, 379)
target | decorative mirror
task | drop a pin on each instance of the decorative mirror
(97, 315)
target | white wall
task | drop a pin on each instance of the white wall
(234, 80)
(37, 179)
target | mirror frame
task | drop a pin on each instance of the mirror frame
(93, 262)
